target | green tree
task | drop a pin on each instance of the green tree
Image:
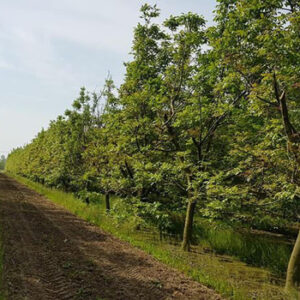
(260, 41)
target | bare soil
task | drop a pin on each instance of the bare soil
(51, 254)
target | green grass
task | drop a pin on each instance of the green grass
(225, 274)
(262, 250)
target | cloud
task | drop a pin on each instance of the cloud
(97, 24)
(31, 29)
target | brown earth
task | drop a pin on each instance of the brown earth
(51, 254)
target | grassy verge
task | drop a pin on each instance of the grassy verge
(226, 274)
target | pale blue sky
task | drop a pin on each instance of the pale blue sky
(49, 49)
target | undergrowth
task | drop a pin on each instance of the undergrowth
(258, 250)
(225, 274)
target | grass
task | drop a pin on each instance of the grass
(262, 250)
(225, 274)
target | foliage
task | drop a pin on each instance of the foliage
(2, 162)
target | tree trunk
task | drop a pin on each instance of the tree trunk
(188, 226)
(107, 203)
(293, 271)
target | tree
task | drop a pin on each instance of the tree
(101, 154)
(260, 40)
(171, 109)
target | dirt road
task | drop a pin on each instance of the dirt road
(52, 254)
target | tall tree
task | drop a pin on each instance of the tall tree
(261, 40)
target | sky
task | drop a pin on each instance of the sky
(49, 49)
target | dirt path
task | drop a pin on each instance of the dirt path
(52, 254)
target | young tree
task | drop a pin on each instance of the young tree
(195, 112)
(172, 107)
(101, 154)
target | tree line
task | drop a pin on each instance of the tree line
(2, 162)
(206, 121)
